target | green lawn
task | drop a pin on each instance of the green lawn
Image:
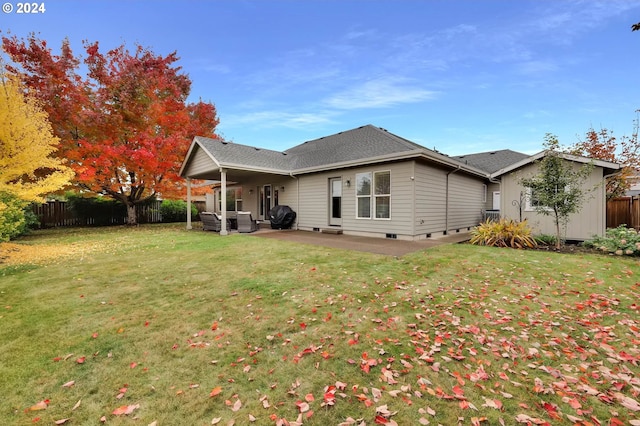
(189, 328)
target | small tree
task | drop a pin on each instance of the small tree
(558, 187)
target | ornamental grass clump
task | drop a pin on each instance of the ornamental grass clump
(503, 233)
(619, 241)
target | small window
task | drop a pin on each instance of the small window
(533, 201)
(382, 196)
(363, 195)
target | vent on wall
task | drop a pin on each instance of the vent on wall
(392, 236)
(316, 229)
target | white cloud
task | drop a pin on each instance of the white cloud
(380, 93)
(270, 119)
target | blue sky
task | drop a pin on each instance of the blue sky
(458, 76)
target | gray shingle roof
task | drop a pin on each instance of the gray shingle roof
(351, 145)
(492, 161)
(228, 153)
(365, 143)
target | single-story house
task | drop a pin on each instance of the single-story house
(370, 182)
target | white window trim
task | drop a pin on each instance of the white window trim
(527, 205)
(372, 196)
(358, 197)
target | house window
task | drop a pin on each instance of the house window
(533, 201)
(234, 199)
(363, 195)
(373, 193)
(382, 194)
(484, 193)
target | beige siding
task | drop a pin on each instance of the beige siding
(466, 196)
(200, 163)
(314, 195)
(465, 201)
(430, 199)
(314, 201)
(589, 221)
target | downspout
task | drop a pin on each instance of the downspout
(297, 197)
(189, 204)
(446, 213)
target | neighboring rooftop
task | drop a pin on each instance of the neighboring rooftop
(492, 161)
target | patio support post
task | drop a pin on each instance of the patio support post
(223, 201)
(189, 204)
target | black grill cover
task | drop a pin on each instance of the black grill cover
(281, 217)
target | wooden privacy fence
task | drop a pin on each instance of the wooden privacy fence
(624, 211)
(59, 213)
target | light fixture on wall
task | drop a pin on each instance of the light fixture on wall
(282, 188)
(250, 191)
(348, 183)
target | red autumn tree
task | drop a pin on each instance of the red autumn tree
(603, 145)
(126, 125)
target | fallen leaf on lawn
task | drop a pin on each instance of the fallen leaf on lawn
(125, 409)
(626, 401)
(252, 418)
(216, 420)
(215, 391)
(153, 423)
(523, 418)
(236, 405)
(61, 421)
(42, 405)
(77, 405)
(69, 384)
(302, 406)
(492, 403)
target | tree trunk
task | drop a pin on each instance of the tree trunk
(558, 235)
(132, 217)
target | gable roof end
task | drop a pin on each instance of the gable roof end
(609, 166)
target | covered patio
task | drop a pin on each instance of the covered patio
(261, 175)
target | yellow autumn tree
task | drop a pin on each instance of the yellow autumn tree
(28, 168)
